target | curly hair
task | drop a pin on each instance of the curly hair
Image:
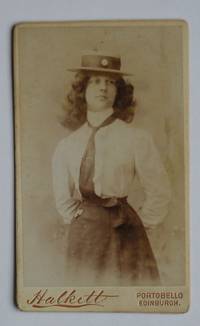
(75, 105)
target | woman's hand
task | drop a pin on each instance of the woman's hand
(78, 212)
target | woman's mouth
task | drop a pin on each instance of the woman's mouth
(102, 97)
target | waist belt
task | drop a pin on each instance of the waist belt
(118, 205)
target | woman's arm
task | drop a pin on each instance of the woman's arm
(63, 184)
(154, 180)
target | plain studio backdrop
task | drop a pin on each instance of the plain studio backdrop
(154, 55)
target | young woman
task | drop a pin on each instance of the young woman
(93, 169)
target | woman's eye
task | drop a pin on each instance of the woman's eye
(110, 82)
(97, 80)
(91, 81)
(94, 81)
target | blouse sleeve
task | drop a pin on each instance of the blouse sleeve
(154, 181)
(63, 184)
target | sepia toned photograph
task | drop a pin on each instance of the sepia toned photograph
(101, 165)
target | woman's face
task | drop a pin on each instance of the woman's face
(100, 92)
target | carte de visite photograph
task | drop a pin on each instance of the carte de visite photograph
(101, 166)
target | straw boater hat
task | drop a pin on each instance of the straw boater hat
(100, 62)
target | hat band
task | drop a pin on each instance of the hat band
(98, 61)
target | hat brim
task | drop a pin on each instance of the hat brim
(112, 71)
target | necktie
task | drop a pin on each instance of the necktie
(88, 160)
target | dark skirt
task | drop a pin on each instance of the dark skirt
(108, 246)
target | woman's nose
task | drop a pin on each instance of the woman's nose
(103, 85)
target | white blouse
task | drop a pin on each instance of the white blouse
(121, 152)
